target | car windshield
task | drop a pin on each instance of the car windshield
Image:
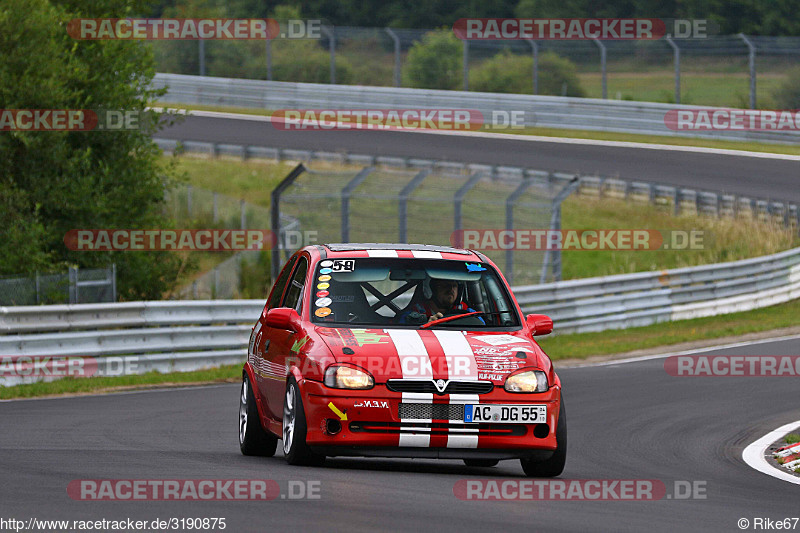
(411, 292)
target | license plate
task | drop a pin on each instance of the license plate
(506, 414)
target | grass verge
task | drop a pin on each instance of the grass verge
(70, 386)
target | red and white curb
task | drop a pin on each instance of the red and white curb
(755, 453)
(790, 455)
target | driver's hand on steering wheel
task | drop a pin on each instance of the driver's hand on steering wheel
(435, 316)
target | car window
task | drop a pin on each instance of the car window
(295, 290)
(391, 292)
(280, 285)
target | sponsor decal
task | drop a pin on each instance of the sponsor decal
(377, 404)
(322, 312)
(499, 340)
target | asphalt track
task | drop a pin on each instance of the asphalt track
(749, 176)
(626, 421)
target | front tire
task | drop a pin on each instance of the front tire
(553, 466)
(253, 439)
(295, 429)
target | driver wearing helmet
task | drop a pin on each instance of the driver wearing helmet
(444, 293)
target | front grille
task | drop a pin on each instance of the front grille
(432, 411)
(429, 386)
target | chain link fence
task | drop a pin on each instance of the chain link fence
(77, 286)
(379, 204)
(243, 274)
(665, 70)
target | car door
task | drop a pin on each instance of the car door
(261, 337)
(282, 341)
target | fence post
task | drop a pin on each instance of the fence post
(113, 282)
(396, 41)
(677, 69)
(535, 47)
(510, 201)
(458, 200)
(269, 59)
(752, 61)
(402, 208)
(555, 224)
(201, 50)
(215, 292)
(329, 33)
(215, 209)
(345, 200)
(189, 200)
(466, 64)
(73, 285)
(602, 65)
(242, 214)
(38, 297)
(275, 221)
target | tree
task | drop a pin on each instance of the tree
(58, 181)
(511, 73)
(435, 62)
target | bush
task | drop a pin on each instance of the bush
(511, 73)
(305, 61)
(435, 62)
(787, 96)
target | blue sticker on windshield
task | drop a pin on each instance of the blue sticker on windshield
(325, 270)
(474, 268)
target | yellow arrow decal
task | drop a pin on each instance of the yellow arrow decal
(340, 414)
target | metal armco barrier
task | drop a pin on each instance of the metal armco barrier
(539, 111)
(186, 336)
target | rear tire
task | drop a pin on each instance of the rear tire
(295, 448)
(481, 462)
(253, 439)
(553, 466)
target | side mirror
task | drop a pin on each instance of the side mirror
(283, 318)
(539, 324)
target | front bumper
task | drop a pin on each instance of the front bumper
(372, 425)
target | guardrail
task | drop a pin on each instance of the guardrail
(682, 200)
(539, 111)
(183, 336)
(640, 299)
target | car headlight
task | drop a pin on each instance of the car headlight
(347, 377)
(530, 381)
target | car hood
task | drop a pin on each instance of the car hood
(434, 353)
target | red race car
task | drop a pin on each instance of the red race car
(400, 350)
